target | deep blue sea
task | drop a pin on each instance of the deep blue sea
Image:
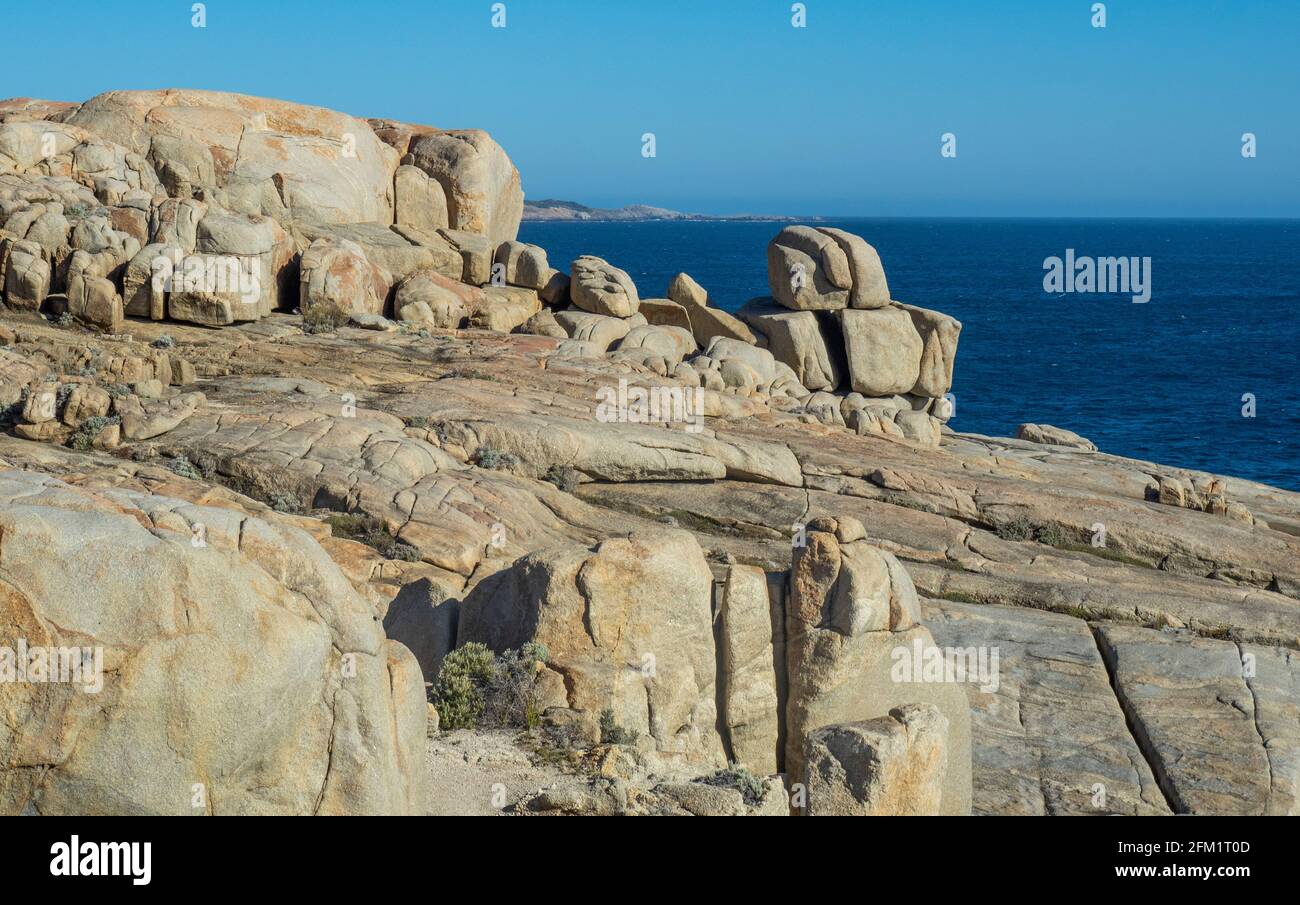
(1161, 381)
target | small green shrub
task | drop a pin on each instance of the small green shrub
(164, 341)
(404, 552)
(323, 319)
(1051, 535)
(476, 690)
(458, 693)
(487, 457)
(284, 502)
(510, 699)
(1021, 528)
(737, 777)
(83, 437)
(183, 467)
(373, 533)
(563, 477)
(611, 733)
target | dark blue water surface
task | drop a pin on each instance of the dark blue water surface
(1161, 381)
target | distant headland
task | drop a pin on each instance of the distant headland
(552, 209)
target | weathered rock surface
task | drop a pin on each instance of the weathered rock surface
(287, 161)
(1217, 719)
(1053, 436)
(796, 338)
(1051, 737)
(808, 270)
(599, 287)
(459, 449)
(883, 348)
(187, 597)
(627, 625)
(750, 699)
(481, 185)
(851, 616)
(891, 766)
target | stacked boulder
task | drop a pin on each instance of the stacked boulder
(851, 614)
(705, 663)
(114, 398)
(828, 346)
(217, 208)
(830, 318)
(1202, 494)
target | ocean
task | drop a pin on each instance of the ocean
(1170, 380)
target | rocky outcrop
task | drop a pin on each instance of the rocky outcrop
(628, 628)
(892, 766)
(458, 426)
(1216, 719)
(480, 184)
(330, 720)
(290, 162)
(746, 645)
(1054, 436)
(231, 190)
(599, 287)
(851, 618)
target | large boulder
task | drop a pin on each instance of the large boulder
(665, 313)
(475, 252)
(598, 286)
(145, 277)
(747, 671)
(671, 343)
(824, 269)
(851, 616)
(26, 274)
(869, 288)
(419, 202)
(424, 298)
(335, 273)
(233, 669)
(481, 185)
(260, 248)
(807, 270)
(1054, 436)
(628, 626)
(213, 290)
(292, 162)
(396, 252)
(505, 308)
(93, 299)
(883, 348)
(524, 265)
(685, 291)
(892, 766)
(939, 334)
(797, 338)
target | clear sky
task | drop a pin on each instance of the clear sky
(1052, 116)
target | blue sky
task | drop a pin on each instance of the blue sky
(1052, 116)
